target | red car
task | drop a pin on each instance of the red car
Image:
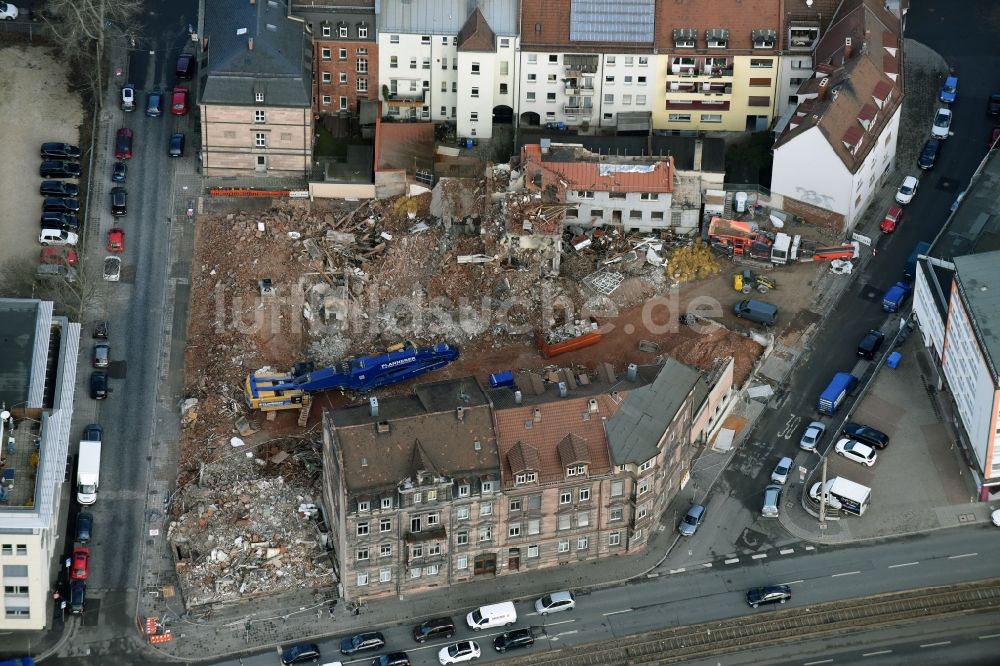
(58, 255)
(994, 137)
(123, 144)
(80, 568)
(179, 106)
(116, 240)
(892, 219)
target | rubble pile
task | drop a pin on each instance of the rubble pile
(694, 262)
(570, 330)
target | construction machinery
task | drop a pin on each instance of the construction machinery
(746, 239)
(747, 281)
(268, 391)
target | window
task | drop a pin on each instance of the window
(15, 590)
(640, 80)
(362, 65)
(475, 68)
(327, 99)
(641, 513)
(503, 88)
(564, 546)
(534, 526)
(610, 61)
(343, 78)
(342, 54)
(643, 61)
(485, 534)
(385, 525)
(454, 88)
(426, 63)
(711, 117)
(582, 543)
(363, 529)
(433, 518)
(609, 99)
(260, 139)
(362, 554)
(325, 54)
(462, 513)
(415, 572)
(475, 92)
(565, 521)
(425, 39)
(658, 215)
(416, 551)
(463, 490)
(584, 494)
(444, 63)
(532, 551)
(586, 195)
(433, 550)
(616, 514)
(432, 495)
(504, 42)
(487, 487)
(486, 510)
(386, 503)
(640, 100)
(514, 530)
(418, 498)
(761, 63)
(385, 550)
(413, 63)
(431, 569)
(626, 99)
(534, 502)
(515, 505)
(532, 77)
(628, 80)
(583, 519)
(258, 116)
(649, 196)
(759, 100)
(643, 487)
(647, 465)
(761, 82)
(327, 77)
(364, 506)
(444, 110)
(327, 31)
(462, 538)
(615, 539)
(679, 117)
(532, 58)
(342, 31)
(462, 562)
(394, 39)
(362, 579)
(8, 549)
(384, 575)
(551, 78)
(565, 497)
(554, 58)
(550, 97)
(362, 32)
(609, 79)
(504, 66)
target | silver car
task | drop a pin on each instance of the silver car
(781, 470)
(692, 519)
(772, 498)
(812, 435)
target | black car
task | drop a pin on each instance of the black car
(93, 432)
(98, 385)
(929, 154)
(185, 67)
(870, 344)
(993, 105)
(77, 597)
(60, 204)
(54, 220)
(512, 640)
(60, 150)
(438, 627)
(119, 172)
(59, 169)
(154, 104)
(177, 145)
(119, 201)
(84, 527)
(771, 594)
(392, 659)
(370, 640)
(866, 435)
(300, 654)
(58, 188)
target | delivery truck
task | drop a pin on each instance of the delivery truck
(88, 471)
(831, 398)
(854, 497)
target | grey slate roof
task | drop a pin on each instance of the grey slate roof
(445, 17)
(635, 430)
(979, 280)
(279, 65)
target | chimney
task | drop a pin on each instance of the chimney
(592, 405)
(382, 426)
(517, 397)
(848, 49)
(373, 406)
(633, 369)
(823, 85)
(562, 389)
(250, 43)
(538, 415)
(460, 413)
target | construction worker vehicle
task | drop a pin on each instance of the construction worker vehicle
(269, 391)
(736, 238)
(747, 281)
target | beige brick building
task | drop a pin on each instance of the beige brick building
(255, 91)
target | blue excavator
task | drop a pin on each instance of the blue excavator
(267, 391)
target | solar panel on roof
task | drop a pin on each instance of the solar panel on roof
(612, 20)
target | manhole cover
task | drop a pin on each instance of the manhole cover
(870, 292)
(947, 184)
(966, 517)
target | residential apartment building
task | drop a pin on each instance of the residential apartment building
(846, 124)
(633, 193)
(345, 53)
(37, 383)
(256, 90)
(585, 63)
(456, 483)
(449, 60)
(802, 25)
(717, 65)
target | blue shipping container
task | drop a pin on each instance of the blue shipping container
(500, 379)
(830, 400)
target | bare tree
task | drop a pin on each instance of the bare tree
(81, 28)
(19, 279)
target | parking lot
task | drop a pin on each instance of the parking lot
(37, 106)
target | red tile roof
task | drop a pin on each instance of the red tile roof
(741, 19)
(593, 176)
(545, 27)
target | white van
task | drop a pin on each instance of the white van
(494, 615)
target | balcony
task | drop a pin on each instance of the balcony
(802, 35)
(578, 111)
(579, 91)
(410, 98)
(701, 66)
(581, 63)
(696, 105)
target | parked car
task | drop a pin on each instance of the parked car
(942, 124)
(870, 344)
(100, 330)
(831, 500)
(116, 240)
(185, 67)
(300, 654)
(893, 218)
(8, 12)
(58, 188)
(856, 451)
(772, 500)
(364, 642)
(80, 567)
(692, 519)
(84, 528)
(77, 597)
(929, 154)
(907, 190)
(61, 271)
(93, 432)
(112, 268)
(392, 659)
(119, 201)
(438, 627)
(781, 470)
(770, 594)
(57, 236)
(994, 138)
(179, 103)
(123, 144)
(177, 145)
(555, 602)
(866, 435)
(995, 517)
(60, 204)
(128, 97)
(949, 91)
(812, 435)
(59, 169)
(459, 652)
(102, 355)
(154, 103)
(512, 640)
(58, 255)
(52, 220)
(98, 385)
(63, 151)
(993, 105)
(119, 172)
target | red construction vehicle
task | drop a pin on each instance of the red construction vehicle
(744, 239)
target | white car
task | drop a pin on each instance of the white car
(812, 435)
(555, 602)
(780, 473)
(831, 501)
(856, 451)
(456, 653)
(996, 517)
(8, 12)
(942, 124)
(128, 97)
(907, 190)
(112, 268)
(57, 237)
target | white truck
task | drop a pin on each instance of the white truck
(854, 497)
(88, 471)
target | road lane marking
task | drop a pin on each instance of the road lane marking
(846, 573)
(653, 575)
(733, 560)
(553, 624)
(568, 633)
(758, 556)
(681, 570)
(983, 638)
(904, 564)
(786, 551)
(627, 610)
(956, 557)
(707, 565)
(793, 582)
(810, 547)
(812, 663)
(874, 654)
(926, 645)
